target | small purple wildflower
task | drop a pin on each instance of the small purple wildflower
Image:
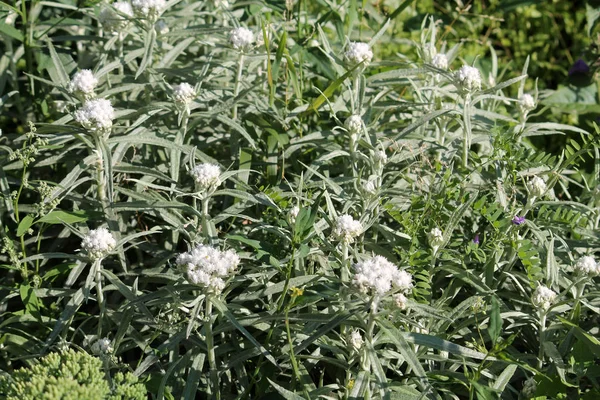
(579, 67)
(476, 239)
(518, 220)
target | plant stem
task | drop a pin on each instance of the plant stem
(238, 79)
(214, 376)
(467, 129)
(542, 338)
(99, 294)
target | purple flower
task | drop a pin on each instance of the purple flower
(579, 67)
(476, 239)
(518, 220)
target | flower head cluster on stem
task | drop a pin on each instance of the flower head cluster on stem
(208, 267)
(377, 275)
(98, 243)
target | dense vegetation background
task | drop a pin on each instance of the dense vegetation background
(293, 160)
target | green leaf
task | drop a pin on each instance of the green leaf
(24, 225)
(287, 395)
(495, 324)
(69, 217)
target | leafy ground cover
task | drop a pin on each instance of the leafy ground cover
(295, 200)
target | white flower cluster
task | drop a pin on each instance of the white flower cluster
(357, 53)
(111, 20)
(440, 61)
(98, 243)
(543, 297)
(208, 267)
(96, 115)
(293, 214)
(347, 228)
(400, 300)
(206, 176)
(102, 347)
(241, 39)
(380, 157)
(526, 103)
(536, 186)
(353, 124)
(149, 9)
(587, 265)
(183, 94)
(221, 4)
(436, 239)
(468, 78)
(378, 275)
(355, 341)
(370, 186)
(83, 83)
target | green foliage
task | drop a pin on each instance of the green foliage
(69, 375)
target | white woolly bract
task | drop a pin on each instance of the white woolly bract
(543, 297)
(526, 102)
(102, 347)
(98, 243)
(206, 175)
(400, 300)
(355, 340)
(587, 265)
(440, 61)
(468, 78)
(95, 115)
(111, 20)
(536, 186)
(353, 124)
(347, 228)
(380, 156)
(378, 275)
(370, 186)
(436, 237)
(161, 27)
(241, 38)
(358, 52)
(293, 214)
(150, 9)
(183, 93)
(83, 82)
(209, 267)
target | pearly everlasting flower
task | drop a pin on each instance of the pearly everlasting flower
(161, 27)
(208, 267)
(529, 388)
(436, 239)
(377, 275)
(115, 19)
(221, 4)
(468, 79)
(586, 265)
(357, 53)
(293, 214)
(83, 83)
(400, 300)
(543, 297)
(440, 61)
(536, 186)
(98, 243)
(96, 115)
(183, 94)
(347, 228)
(353, 124)
(380, 157)
(102, 347)
(526, 103)
(355, 341)
(370, 186)
(149, 9)
(207, 176)
(241, 39)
